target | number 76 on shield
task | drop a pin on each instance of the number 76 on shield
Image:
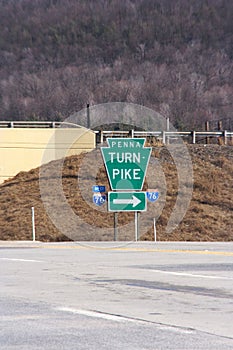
(152, 195)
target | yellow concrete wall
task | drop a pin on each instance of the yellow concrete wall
(22, 149)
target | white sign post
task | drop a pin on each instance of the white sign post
(33, 225)
(155, 235)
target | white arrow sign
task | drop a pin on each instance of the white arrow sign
(135, 201)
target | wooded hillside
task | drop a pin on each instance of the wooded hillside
(173, 56)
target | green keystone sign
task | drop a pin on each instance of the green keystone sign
(126, 162)
(127, 201)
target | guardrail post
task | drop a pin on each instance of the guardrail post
(194, 137)
(101, 136)
(225, 137)
(164, 137)
(168, 129)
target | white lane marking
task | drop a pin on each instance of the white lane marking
(24, 260)
(192, 275)
(176, 329)
(97, 314)
(118, 318)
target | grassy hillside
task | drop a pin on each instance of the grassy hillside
(208, 218)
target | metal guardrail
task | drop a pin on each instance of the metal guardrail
(164, 136)
(29, 124)
(37, 124)
(167, 136)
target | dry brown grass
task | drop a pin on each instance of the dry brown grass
(208, 218)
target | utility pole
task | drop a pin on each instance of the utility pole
(88, 117)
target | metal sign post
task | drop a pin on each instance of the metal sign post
(155, 234)
(115, 226)
(136, 218)
(33, 225)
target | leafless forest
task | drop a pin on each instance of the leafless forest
(173, 56)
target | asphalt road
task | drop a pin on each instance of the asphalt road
(135, 296)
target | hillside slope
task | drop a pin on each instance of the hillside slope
(208, 218)
(175, 57)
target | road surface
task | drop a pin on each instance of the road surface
(106, 296)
